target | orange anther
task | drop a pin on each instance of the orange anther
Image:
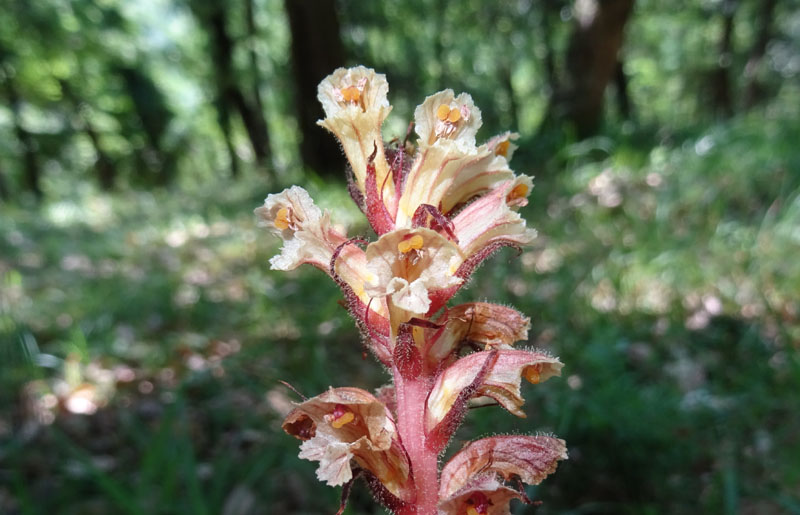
(343, 420)
(502, 148)
(443, 112)
(533, 373)
(282, 219)
(454, 116)
(519, 191)
(351, 94)
(413, 243)
(341, 416)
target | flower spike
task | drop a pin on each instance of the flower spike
(439, 207)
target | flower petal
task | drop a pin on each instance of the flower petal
(309, 238)
(447, 177)
(306, 231)
(371, 419)
(531, 458)
(333, 457)
(502, 383)
(489, 220)
(501, 144)
(367, 91)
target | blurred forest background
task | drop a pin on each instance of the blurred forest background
(142, 334)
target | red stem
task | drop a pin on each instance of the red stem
(411, 396)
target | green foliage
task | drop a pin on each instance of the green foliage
(665, 275)
(680, 377)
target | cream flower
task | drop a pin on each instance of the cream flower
(309, 238)
(447, 178)
(306, 231)
(443, 117)
(408, 264)
(355, 104)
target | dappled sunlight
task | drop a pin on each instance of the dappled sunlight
(146, 349)
(148, 305)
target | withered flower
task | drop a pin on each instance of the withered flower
(476, 475)
(345, 424)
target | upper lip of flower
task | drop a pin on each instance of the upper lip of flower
(443, 118)
(480, 464)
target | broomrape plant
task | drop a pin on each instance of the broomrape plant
(439, 208)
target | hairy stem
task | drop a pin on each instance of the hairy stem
(411, 396)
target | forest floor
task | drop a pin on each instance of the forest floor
(143, 337)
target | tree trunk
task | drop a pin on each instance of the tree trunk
(5, 193)
(722, 98)
(30, 160)
(754, 90)
(316, 52)
(103, 166)
(550, 8)
(224, 121)
(154, 115)
(222, 52)
(252, 33)
(591, 61)
(623, 97)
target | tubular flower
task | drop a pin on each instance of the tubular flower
(355, 105)
(407, 265)
(476, 473)
(474, 324)
(439, 206)
(349, 423)
(500, 381)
